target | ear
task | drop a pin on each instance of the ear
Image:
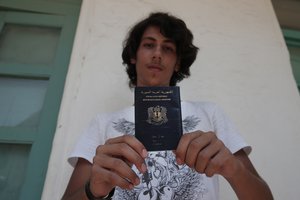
(133, 61)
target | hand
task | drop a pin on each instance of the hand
(112, 164)
(205, 153)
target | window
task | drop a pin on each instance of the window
(292, 39)
(36, 39)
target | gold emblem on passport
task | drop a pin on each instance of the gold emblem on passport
(157, 115)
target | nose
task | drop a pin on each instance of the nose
(157, 53)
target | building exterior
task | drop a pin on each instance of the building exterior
(243, 65)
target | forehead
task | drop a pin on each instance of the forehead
(154, 33)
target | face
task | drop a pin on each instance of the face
(156, 59)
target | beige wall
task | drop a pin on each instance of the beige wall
(243, 65)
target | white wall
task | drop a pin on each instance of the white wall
(243, 65)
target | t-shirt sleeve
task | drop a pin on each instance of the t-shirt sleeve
(86, 146)
(227, 132)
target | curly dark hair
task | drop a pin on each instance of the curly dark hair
(170, 27)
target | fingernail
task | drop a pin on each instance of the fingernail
(179, 161)
(131, 186)
(144, 153)
(137, 181)
(143, 168)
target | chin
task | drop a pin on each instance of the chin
(158, 85)
(153, 83)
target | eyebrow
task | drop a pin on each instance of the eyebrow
(153, 39)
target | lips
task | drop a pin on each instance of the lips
(154, 67)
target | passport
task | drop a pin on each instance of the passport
(158, 122)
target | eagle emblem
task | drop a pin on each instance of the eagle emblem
(157, 115)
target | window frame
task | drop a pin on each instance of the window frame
(292, 39)
(36, 12)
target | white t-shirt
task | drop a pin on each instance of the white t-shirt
(165, 179)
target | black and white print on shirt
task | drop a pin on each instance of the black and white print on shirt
(164, 180)
(126, 127)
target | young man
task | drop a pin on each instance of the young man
(110, 161)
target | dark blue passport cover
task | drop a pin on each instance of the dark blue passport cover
(158, 123)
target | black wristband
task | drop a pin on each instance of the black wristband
(90, 195)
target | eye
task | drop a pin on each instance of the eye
(148, 45)
(169, 49)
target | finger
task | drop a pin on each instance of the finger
(131, 141)
(205, 156)
(183, 145)
(224, 163)
(124, 151)
(117, 166)
(215, 164)
(110, 177)
(195, 148)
